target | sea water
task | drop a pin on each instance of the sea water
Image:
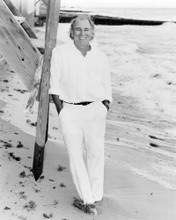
(161, 14)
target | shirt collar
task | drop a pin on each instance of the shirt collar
(79, 52)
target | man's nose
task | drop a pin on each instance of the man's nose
(82, 32)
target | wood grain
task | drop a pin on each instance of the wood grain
(16, 47)
(43, 110)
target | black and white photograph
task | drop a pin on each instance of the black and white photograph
(87, 110)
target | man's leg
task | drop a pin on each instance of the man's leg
(71, 124)
(78, 169)
(94, 132)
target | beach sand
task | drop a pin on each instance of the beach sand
(140, 152)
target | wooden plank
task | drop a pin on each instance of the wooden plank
(16, 47)
(24, 24)
(53, 10)
(27, 10)
(35, 41)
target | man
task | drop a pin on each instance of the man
(81, 89)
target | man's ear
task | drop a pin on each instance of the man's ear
(71, 34)
(92, 37)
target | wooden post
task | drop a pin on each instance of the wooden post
(53, 9)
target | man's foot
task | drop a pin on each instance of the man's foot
(99, 201)
(87, 208)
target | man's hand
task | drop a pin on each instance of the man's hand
(106, 103)
(58, 103)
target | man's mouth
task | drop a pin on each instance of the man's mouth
(82, 38)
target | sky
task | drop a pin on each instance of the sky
(120, 3)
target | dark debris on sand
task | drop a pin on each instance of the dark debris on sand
(6, 144)
(30, 206)
(20, 145)
(21, 90)
(48, 215)
(31, 123)
(154, 145)
(61, 168)
(14, 157)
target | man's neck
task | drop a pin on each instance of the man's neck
(84, 49)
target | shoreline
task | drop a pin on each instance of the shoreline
(127, 195)
(101, 17)
(103, 20)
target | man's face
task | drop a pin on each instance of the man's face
(82, 33)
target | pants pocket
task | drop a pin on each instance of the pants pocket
(62, 112)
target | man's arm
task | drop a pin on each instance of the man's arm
(58, 103)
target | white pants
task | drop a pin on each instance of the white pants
(85, 124)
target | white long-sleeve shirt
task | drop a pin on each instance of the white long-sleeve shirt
(76, 78)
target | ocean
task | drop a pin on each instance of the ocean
(161, 14)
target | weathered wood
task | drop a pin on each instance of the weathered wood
(16, 47)
(53, 10)
(24, 24)
(19, 19)
(40, 44)
(26, 8)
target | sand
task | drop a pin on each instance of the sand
(140, 153)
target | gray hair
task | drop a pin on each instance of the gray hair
(79, 18)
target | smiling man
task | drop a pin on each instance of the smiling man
(82, 33)
(80, 86)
